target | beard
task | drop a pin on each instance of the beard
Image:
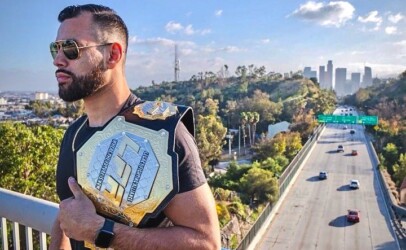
(82, 86)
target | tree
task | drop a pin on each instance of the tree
(399, 170)
(390, 153)
(210, 139)
(260, 185)
(253, 120)
(293, 144)
(28, 157)
(243, 122)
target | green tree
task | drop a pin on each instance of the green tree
(28, 157)
(390, 152)
(293, 144)
(210, 139)
(260, 185)
(399, 170)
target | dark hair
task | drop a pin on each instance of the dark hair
(103, 16)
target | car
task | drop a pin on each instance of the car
(354, 184)
(354, 152)
(345, 127)
(352, 131)
(353, 215)
(340, 148)
(322, 175)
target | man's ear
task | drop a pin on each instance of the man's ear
(115, 56)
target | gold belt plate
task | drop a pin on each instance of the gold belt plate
(126, 171)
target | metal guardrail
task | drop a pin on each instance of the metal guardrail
(33, 213)
(284, 182)
(396, 212)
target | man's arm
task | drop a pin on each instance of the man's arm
(58, 238)
(193, 214)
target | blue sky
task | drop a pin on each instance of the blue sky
(281, 35)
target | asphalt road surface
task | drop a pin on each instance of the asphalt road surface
(313, 214)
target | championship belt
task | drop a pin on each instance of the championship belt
(127, 170)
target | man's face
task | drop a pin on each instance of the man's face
(79, 78)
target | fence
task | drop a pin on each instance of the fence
(33, 213)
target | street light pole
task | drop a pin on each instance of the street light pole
(229, 137)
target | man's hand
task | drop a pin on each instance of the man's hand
(77, 215)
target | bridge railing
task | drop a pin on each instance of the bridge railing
(23, 211)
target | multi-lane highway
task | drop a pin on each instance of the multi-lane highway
(313, 214)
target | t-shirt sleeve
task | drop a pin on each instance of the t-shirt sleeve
(191, 173)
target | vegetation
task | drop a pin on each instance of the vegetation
(28, 157)
(387, 101)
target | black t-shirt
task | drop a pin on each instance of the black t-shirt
(190, 172)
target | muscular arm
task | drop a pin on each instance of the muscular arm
(193, 214)
(196, 226)
(58, 238)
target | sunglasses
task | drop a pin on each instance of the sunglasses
(70, 48)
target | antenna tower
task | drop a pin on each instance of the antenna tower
(177, 64)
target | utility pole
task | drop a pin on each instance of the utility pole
(229, 137)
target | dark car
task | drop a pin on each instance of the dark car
(354, 152)
(340, 148)
(322, 175)
(353, 215)
(352, 131)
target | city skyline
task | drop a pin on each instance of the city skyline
(282, 37)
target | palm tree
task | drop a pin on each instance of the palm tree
(254, 121)
(243, 120)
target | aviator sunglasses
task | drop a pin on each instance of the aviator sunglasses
(70, 48)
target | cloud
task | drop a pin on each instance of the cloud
(401, 43)
(395, 18)
(218, 12)
(231, 49)
(326, 14)
(174, 27)
(160, 41)
(265, 41)
(189, 30)
(227, 49)
(391, 30)
(372, 17)
(356, 52)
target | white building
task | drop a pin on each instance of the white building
(41, 96)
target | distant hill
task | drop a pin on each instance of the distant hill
(274, 100)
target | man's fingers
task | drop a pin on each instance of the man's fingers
(74, 187)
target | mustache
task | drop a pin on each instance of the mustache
(64, 71)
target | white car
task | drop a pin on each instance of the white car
(354, 184)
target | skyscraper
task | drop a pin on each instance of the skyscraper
(329, 77)
(309, 73)
(322, 77)
(367, 80)
(340, 82)
(355, 81)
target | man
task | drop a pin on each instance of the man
(90, 53)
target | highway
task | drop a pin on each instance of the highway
(313, 214)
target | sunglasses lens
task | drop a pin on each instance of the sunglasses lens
(70, 49)
(53, 47)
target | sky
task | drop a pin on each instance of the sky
(282, 35)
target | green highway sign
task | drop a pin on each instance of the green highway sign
(365, 120)
(368, 120)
